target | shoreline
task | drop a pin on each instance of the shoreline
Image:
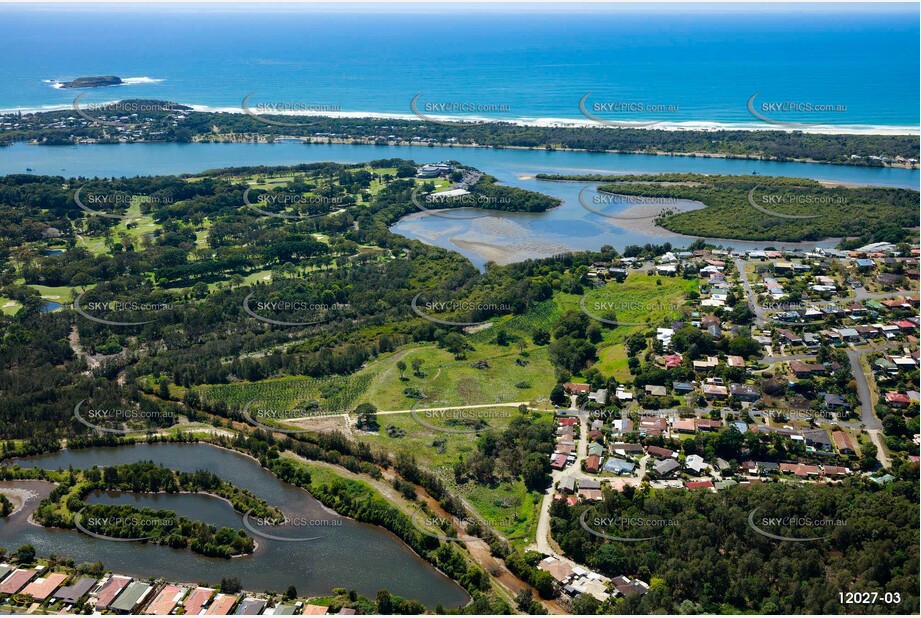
(658, 153)
(535, 121)
(362, 141)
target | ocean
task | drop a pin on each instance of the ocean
(854, 68)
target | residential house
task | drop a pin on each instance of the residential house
(805, 370)
(818, 438)
(848, 335)
(672, 360)
(800, 470)
(715, 391)
(71, 594)
(106, 595)
(658, 451)
(165, 601)
(196, 601)
(567, 485)
(744, 392)
(652, 425)
(577, 389)
(843, 442)
(221, 605)
(596, 448)
(665, 467)
(16, 580)
(250, 606)
(624, 449)
(789, 337)
(897, 400)
(656, 391)
(132, 598)
(558, 461)
(706, 424)
(735, 361)
(42, 588)
(618, 466)
(835, 402)
(705, 365)
(600, 396)
(696, 464)
(592, 464)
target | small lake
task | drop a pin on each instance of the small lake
(49, 305)
(500, 236)
(350, 554)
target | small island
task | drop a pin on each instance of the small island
(100, 81)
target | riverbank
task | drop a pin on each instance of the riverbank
(236, 138)
(358, 532)
(18, 497)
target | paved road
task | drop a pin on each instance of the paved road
(863, 391)
(760, 313)
(542, 541)
(785, 358)
(513, 404)
(761, 316)
(867, 415)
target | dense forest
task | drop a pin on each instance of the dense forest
(178, 124)
(705, 556)
(770, 207)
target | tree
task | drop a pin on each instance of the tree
(406, 171)
(536, 471)
(558, 395)
(417, 367)
(585, 604)
(366, 414)
(290, 593)
(384, 602)
(25, 554)
(523, 599)
(541, 336)
(402, 367)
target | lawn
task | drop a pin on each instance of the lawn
(445, 381)
(8, 306)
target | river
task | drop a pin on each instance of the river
(348, 555)
(502, 236)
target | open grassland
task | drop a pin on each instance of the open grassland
(445, 381)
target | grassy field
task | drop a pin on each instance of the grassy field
(140, 225)
(508, 506)
(642, 300)
(8, 306)
(419, 434)
(448, 382)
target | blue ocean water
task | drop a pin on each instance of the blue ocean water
(694, 67)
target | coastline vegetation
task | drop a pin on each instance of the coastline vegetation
(784, 209)
(172, 122)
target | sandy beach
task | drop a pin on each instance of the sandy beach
(18, 496)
